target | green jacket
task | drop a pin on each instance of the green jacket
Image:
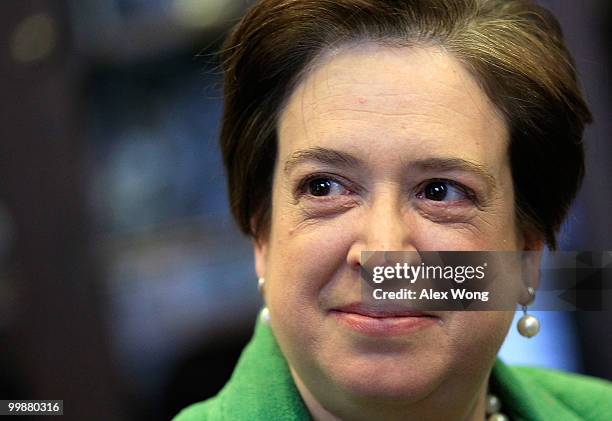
(262, 388)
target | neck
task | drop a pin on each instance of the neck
(439, 405)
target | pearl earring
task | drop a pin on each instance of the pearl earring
(528, 325)
(264, 315)
(493, 407)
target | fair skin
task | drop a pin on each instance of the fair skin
(361, 140)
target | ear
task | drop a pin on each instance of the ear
(533, 248)
(260, 251)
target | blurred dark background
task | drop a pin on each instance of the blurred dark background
(125, 288)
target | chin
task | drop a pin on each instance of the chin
(388, 377)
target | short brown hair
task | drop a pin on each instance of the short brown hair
(514, 48)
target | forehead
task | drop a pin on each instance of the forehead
(405, 100)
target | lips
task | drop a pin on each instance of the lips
(376, 321)
(379, 312)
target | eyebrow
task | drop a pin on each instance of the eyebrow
(345, 160)
(321, 155)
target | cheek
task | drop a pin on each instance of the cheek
(304, 259)
(487, 232)
(493, 229)
(477, 333)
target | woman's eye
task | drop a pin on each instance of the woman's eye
(441, 191)
(324, 187)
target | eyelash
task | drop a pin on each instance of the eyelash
(303, 186)
(469, 193)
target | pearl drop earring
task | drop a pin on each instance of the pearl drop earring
(528, 325)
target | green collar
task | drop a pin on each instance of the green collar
(261, 387)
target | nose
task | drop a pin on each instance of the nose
(384, 225)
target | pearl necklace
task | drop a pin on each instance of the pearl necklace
(493, 407)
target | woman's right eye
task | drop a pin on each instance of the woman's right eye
(324, 186)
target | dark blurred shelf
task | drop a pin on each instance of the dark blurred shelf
(122, 31)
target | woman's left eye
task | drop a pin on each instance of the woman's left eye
(323, 186)
(442, 191)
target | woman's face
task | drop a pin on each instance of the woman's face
(383, 148)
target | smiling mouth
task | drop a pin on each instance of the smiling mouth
(382, 322)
